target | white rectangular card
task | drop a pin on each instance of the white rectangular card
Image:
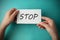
(29, 16)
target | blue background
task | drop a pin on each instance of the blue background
(50, 8)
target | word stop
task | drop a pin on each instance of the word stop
(29, 16)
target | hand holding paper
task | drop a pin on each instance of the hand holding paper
(28, 16)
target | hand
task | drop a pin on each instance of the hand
(49, 25)
(9, 17)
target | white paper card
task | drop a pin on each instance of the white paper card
(29, 16)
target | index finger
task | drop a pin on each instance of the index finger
(47, 19)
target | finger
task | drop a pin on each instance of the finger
(43, 25)
(11, 11)
(15, 13)
(15, 18)
(45, 22)
(48, 20)
(40, 26)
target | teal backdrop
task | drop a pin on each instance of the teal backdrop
(50, 8)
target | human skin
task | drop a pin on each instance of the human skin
(50, 26)
(10, 16)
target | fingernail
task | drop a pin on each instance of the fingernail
(18, 11)
(41, 28)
